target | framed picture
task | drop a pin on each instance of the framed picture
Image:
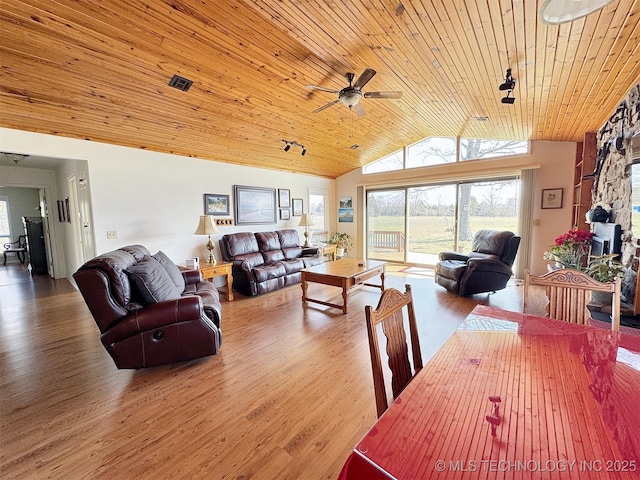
(61, 215)
(284, 198)
(254, 205)
(67, 211)
(345, 215)
(346, 202)
(552, 198)
(215, 204)
(285, 214)
(297, 207)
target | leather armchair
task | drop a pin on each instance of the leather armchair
(487, 268)
(140, 329)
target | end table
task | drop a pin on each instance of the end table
(210, 271)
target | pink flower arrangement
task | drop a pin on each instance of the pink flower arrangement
(570, 249)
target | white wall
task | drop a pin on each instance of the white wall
(155, 199)
(150, 198)
(23, 202)
(554, 163)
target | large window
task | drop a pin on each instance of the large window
(5, 224)
(635, 199)
(477, 149)
(318, 204)
(395, 161)
(414, 224)
(431, 151)
(438, 151)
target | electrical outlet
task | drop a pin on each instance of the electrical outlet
(112, 234)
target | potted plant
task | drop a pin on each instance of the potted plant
(342, 241)
(604, 268)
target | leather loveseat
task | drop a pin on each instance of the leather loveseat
(266, 261)
(149, 312)
(486, 268)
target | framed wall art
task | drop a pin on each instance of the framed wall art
(215, 204)
(345, 215)
(284, 198)
(552, 198)
(254, 205)
(297, 207)
(285, 214)
(61, 214)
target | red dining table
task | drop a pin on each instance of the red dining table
(511, 395)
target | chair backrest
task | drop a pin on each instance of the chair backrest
(569, 292)
(389, 312)
(502, 244)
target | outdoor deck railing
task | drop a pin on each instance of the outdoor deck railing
(387, 240)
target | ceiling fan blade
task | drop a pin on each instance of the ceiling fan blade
(382, 94)
(364, 78)
(325, 106)
(359, 110)
(322, 89)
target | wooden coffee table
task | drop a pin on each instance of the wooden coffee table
(346, 273)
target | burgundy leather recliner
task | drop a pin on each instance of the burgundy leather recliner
(143, 324)
(486, 268)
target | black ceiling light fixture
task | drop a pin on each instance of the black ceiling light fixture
(508, 85)
(292, 143)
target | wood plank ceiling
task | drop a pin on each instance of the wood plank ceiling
(100, 70)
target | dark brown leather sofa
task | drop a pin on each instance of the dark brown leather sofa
(148, 311)
(487, 268)
(266, 261)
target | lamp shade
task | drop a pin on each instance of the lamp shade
(206, 226)
(305, 220)
(555, 12)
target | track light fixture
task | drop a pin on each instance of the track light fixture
(508, 99)
(508, 85)
(509, 81)
(293, 143)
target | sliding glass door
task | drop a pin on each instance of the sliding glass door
(386, 225)
(431, 226)
(414, 224)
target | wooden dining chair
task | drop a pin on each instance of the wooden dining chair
(568, 294)
(389, 313)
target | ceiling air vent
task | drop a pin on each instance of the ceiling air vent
(180, 83)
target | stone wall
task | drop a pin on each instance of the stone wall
(612, 185)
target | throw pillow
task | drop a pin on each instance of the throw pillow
(152, 281)
(171, 268)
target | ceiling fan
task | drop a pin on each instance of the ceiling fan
(351, 95)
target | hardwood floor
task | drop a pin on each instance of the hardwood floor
(287, 397)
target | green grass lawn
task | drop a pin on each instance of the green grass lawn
(432, 235)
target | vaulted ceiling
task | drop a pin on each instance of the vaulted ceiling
(99, 70)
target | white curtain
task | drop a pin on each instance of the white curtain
(528, 178)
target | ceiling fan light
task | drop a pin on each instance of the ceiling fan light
(554, 12)
(350, 97)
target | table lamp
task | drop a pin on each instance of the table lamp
(206, 227)
(306, 222)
